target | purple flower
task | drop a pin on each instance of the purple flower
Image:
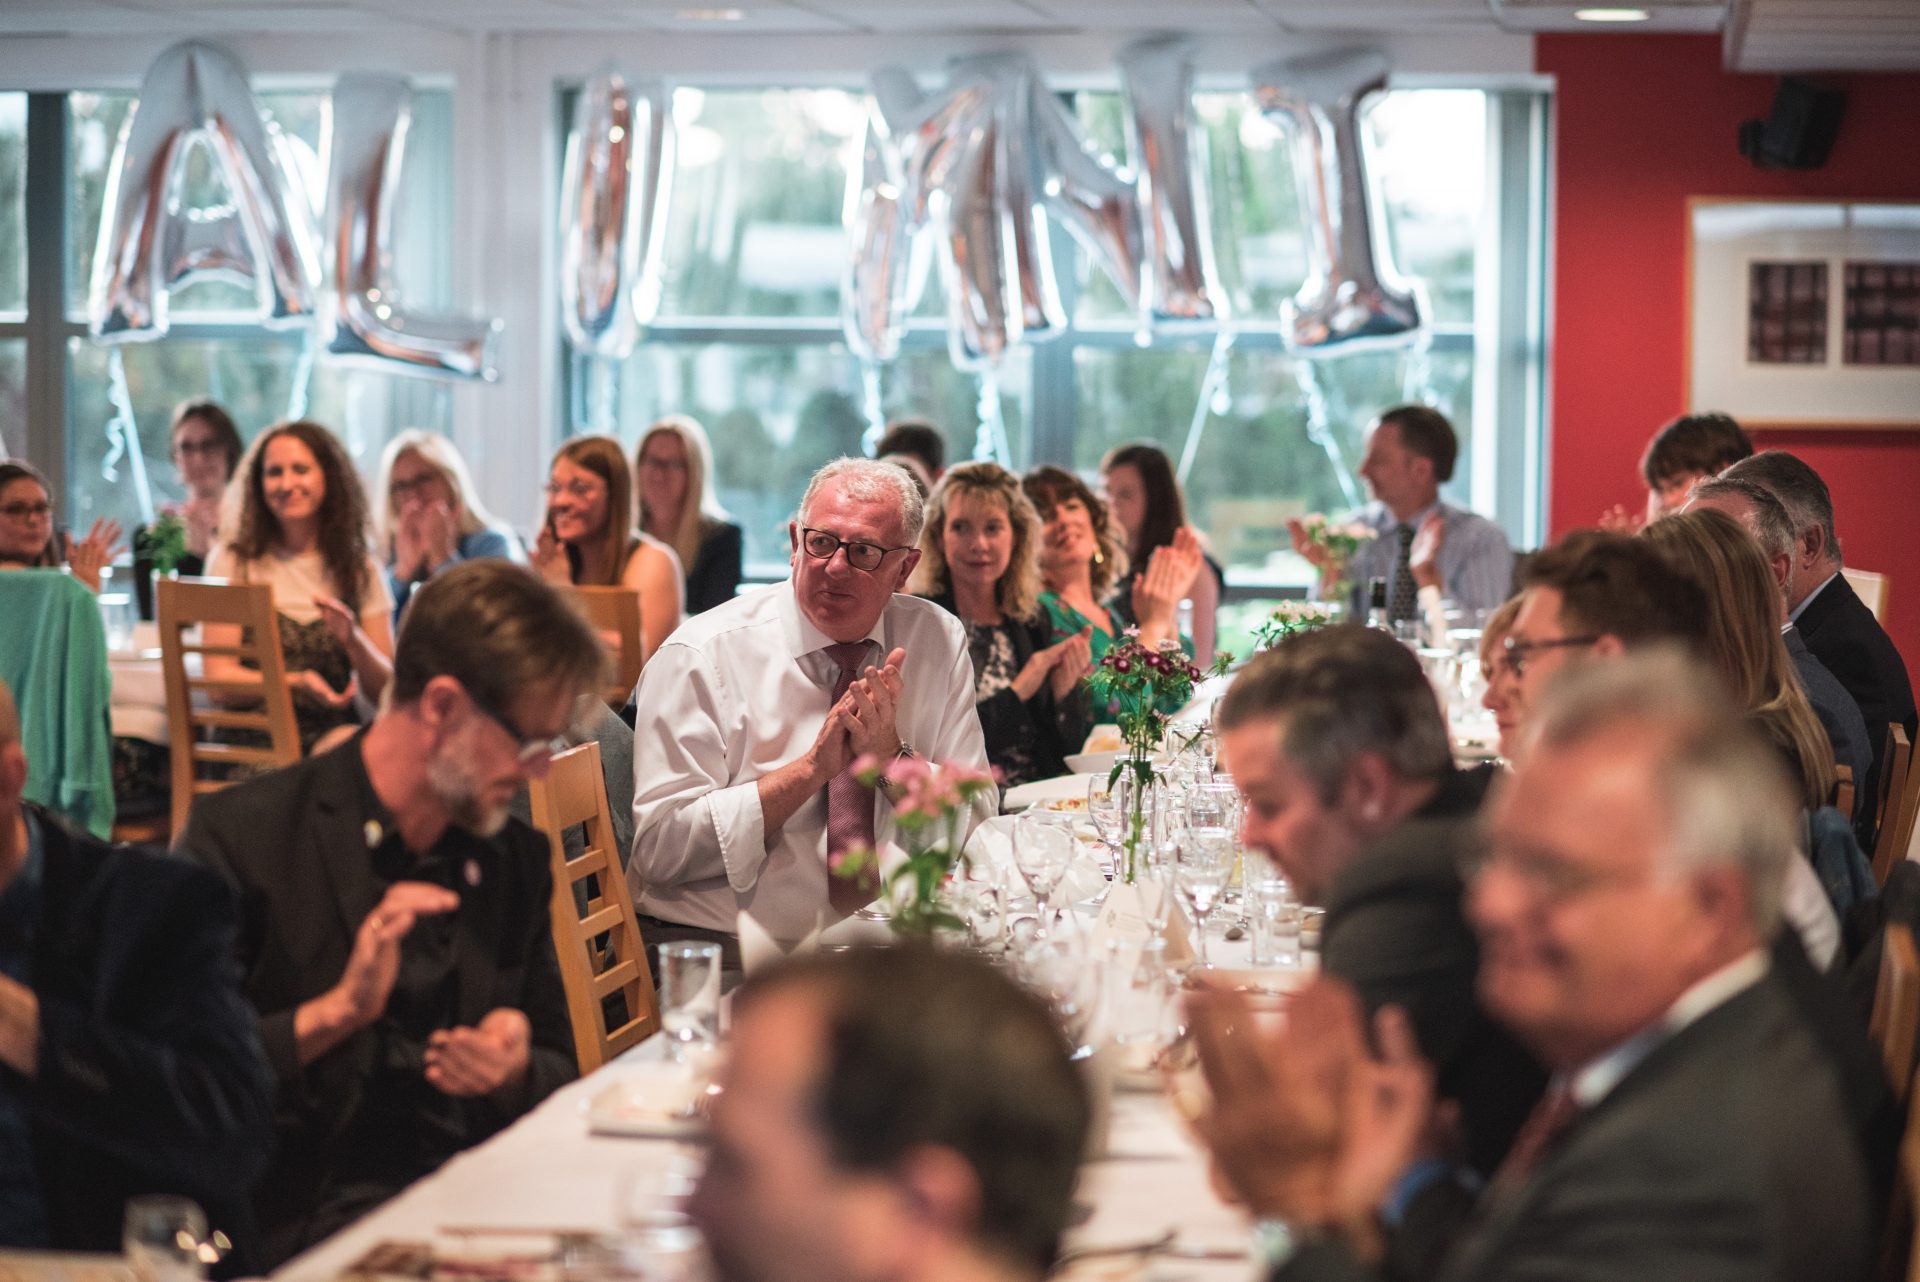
(1123, 665)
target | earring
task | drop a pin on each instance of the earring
(1098, 557)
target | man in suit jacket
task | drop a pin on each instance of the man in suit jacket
(395, 932)
(1634, 878)
(1336, 741)
(128, 1061)
(1832, 619)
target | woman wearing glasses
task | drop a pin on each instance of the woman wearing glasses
(979, 559)
(588, 538)
(206, 450)
(28, 538)
(428, 517)
(296, 520)
(678, 506)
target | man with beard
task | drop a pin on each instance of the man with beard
(394, 925)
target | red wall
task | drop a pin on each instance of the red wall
(1643, 123)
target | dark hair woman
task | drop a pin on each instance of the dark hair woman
(1145, 499)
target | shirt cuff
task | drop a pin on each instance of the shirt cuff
(740, 831)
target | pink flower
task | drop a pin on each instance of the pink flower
(1123, 665)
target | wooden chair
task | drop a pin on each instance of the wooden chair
(197, 704)
(1899, 1248)
(594, 929)
(1871, 588)
(1897, 805)
(615, 613)
(1895, 1024)
(1841, 798)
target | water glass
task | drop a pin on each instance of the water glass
(162, 1236)
(1214, 805)
(650, 1205)
(1141, 997)
(1274, 917)
(690, 998)
(1206, 857)
(1043, 851)
(117, 614)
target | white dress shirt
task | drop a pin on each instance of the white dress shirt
(736, 693)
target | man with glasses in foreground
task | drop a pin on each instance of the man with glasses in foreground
(751, 716)
(1694, 1127)
(395, 936)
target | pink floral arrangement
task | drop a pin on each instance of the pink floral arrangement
(932, 802)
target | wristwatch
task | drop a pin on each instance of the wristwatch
(906, 750)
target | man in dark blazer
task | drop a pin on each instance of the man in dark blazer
(128, 1061)
(395, 931)
(1832, 619)
(1694, 1128)
(1337, 742)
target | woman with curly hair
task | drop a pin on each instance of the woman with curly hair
(1082, 559)
(589, 539)
(980, 560)
(295, 518)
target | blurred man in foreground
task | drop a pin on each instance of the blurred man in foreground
(1693, 1129)
(891, 1115)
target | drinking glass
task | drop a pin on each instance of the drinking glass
(1154, 879)
(1055, 965)
(1214, 805)
(1275, 918)
(1103, 808)
(1206, 857)
(690, 998)
(162, 1236)
(1042, 851)
(650, 1205)
(1140, 998)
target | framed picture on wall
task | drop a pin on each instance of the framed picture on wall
(1804, 313)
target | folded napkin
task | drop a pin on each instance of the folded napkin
(758, 948)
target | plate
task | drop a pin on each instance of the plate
(651, 1101)
(1040, 791)
(1093, 763)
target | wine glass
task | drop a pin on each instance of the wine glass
(1205, 859)
(1042, 851)
(1103, 807)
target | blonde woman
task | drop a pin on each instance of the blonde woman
(1744, 641)
(588, 538)
(980, 559)
(427, 515)
(674, 467)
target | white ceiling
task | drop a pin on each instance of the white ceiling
(1761, 35)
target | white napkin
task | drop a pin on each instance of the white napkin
(991, 846)
(758, 948)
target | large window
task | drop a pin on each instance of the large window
(212, 348)
(748, 338)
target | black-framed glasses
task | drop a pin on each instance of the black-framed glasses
(26, 511)
(400, 489)
(528, 746)
(820, 545)
(1519, 650)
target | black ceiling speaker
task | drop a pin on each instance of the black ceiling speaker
(1799, 132)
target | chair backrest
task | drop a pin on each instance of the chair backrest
(198, 706)
(1897, 805)
(614, 613)
(1871, 588)
(1896, 1007)
(1841, 798)
(595, 932)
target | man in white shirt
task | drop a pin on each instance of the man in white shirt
(1694, 1128)
(751, 715)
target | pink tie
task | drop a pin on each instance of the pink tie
(849, 802)
(1550, 1120)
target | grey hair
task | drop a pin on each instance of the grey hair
(1798, 487)
(868, 480)
(1725, 790)
(1339, 692)
(1769, 521)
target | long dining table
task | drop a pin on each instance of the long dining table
(549, 1172)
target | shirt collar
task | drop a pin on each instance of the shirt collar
(1596, 1080)
(1793, 615)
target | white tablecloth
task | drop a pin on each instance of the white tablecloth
(546, 1172)
(139, 707)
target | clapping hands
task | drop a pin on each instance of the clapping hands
(1167, 579)
(87, 557)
